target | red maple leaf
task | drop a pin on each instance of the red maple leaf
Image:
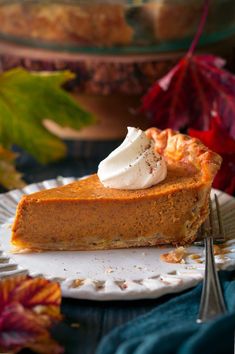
(191, 93)
(195, 89)
(217, 139)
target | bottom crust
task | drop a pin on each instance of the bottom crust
(156, 240)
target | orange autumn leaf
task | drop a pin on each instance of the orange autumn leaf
(35, 292)
(28, 308)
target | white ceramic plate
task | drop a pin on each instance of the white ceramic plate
(109, 275)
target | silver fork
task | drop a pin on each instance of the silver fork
(212, 301)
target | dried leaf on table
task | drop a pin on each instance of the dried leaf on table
(26, 100)
(9, 176)
(28, 308)
(188, 96)
(218, 139)
(21, 328)
(39, 294)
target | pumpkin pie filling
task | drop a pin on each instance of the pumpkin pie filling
(85, 215)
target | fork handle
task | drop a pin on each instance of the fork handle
(212, 301)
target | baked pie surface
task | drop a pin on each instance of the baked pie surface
(85, 215)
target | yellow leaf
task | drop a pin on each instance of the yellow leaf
(9, 177)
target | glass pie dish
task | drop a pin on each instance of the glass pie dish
(112, 27)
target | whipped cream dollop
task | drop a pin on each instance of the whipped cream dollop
(134, 164)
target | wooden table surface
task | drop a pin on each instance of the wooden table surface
(96, 319)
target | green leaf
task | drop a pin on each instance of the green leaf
(9, 177)
(26, 99)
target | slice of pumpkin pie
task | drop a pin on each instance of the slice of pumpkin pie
(152, 190)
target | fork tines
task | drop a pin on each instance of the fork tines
(220, 220)
(212, 302)
(213, 226)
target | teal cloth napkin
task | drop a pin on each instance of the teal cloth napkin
(171, 327)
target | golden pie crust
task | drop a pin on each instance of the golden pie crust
(85, 215)
(183, 150)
